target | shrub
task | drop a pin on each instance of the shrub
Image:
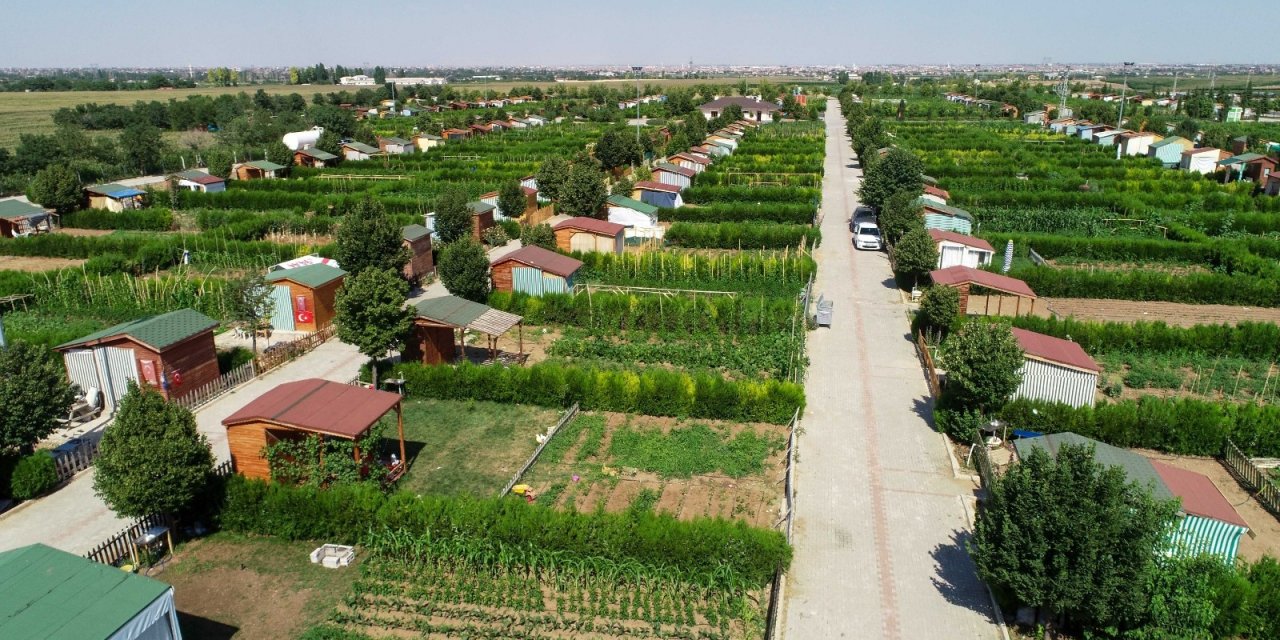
(153, 219)
(939, 310)
(496, 236)
(737, 235)
(107, 264)
(33, 475)
(538, 235)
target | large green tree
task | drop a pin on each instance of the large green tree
(141, 146)
(901, 214)
(369, 239)
(982, 361)
(152, 459)
(552, 177)
(371, 313)
(1070, 536)
(939, 309)
(617, 149)
(464, 270)
(55, 187)
(34, 394)
(584, 192)
(899, 170)
(453, 216)
(538, 235)
(511, 199)
(914, 256)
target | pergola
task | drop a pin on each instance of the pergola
(457, 315)
(320, 407)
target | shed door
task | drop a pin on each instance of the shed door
(282, 308)
(82, 370)
(951, 256)
(527, 280)
(121, 367)
(582, 242)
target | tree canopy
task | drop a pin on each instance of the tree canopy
(55, 187)
(511, 199)
(899, 170)
(552, 177)
(538, 235)
(464, 269)
(901, 214)
(914, 256)
(982, 361)
(371, 313)
(142, 147)
(584, 193)
(453, 216)
(33, 394)
(369, 239)
(250, 303)
(617, 149)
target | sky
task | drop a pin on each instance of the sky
(244, 33)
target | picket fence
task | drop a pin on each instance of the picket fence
(215, 388)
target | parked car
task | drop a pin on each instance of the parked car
(867, 236)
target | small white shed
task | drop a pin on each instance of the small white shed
(1055, 370)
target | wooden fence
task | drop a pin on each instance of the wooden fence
(215, 388)
(564, 419)
(78, 459)
(930, 368)
(283, 352)
(119, 547)
(1252, 477)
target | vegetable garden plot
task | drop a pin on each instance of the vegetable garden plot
(687, 469)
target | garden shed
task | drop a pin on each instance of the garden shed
(1018, 300)
(933, 193)
(304, 296)
(427, 141)
(481, 218)
(172, 353)
(203, 181)
(663, 196)
(589, 234)
(313, 157)
(1055, 370)
(535, 271)
(639, 218)
(49, 593)
(945, 217)
(672, 174)
(256, 170)
(690, 161)
(19, 217)
(114, 197)
(960, 249)
(417, 239)
(1203, 160)
(356, 150)
(1169, 151)
(396, 146)
(296, 410)
(440, 324)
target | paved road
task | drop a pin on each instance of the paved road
(880, 518)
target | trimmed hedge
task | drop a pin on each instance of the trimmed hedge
(779, 212)
(33, 475)
(132, 220)
(347, 512)
(1195, 288)
(619, 311)
(1052, 246)
(653, 392)
(1254, 340)
(737, 235)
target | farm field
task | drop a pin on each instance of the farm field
(1177, 314)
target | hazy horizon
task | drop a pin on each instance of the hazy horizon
(241, 33)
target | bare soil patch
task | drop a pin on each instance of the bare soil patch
(35, 264)
(88, 233)
(1173, 313)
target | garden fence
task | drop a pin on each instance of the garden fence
(982, 460)
(119, 547)
(1252, 477)
(564, 419)
(1036, 259)
(78, 459)
(930, 367)
(798, 351)
(772, 621)
(283, 352)
(215, 388)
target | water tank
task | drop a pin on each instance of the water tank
(302, 139)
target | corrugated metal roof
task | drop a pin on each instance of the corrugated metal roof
(935, 191)
(1198, 493)
(158, 332)
(676, 169)
(412, 232)
(55, 595)
(312, 275)
(961, 274)
(540, 258)
(944, 209)
(199, 177)
(361, 147)
(265, 165)
(939, 235)
(13, 209)
(1138, 468)
(649, 185)
(642, 207)
(591, 225)
(480, 207)
(114, 190)
(1054, 349)
(395, 140)
(318, 154)
(457, 312)
(318, 406)
(745, 103)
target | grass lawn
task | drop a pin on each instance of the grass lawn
(461, 447)
(228, 585)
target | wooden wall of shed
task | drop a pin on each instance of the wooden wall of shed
(196, 358)
(501, 276)
(430, 344)
(480, 222)
(7, 228)
(420, 261)
(247, 442)
(564, 237)
(320, 301)
(324, 301)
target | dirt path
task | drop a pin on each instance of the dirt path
(1177, 314)
(34, 264)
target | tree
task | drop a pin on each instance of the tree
(1070, 536)
(34, 394)
(1188, 128)
(369, 239)
(616, 149)
(939, 309)
(538, 235)
(278, 153)
(552, 177)
(141, 147)
(584, 193)
(55, 187)
(868, 136)
(899, 170)
(982, 361)
(330, 142)
(622, 187)
(152, 459)
(251, 303)
(453, 216)
(914, 256)
(511, 199)
(464, 269)
(379, 75)
(218, 161)
(901, 214)
(371, 313)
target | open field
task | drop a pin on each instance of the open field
(36, 263)
(1177, 314)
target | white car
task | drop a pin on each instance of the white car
(867, 236)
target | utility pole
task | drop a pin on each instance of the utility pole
(1123, 92)
(636, 71)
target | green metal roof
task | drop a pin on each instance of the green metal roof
(158, 332)
(108, 189)
(395, 140)
(13, 208)
(265, 165)
(1136, 467)
(1242, 158)
(944, 208)
(1179, 140)
(642, 207)
(478, 207)
(361, 147)
(413, 232)
(312, 275)
(318, 154)
(451, 310)
(54, 595)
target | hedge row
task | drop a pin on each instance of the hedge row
(1253, 340)
(131, 220)
(653, 392)
(712, 194)
(1051, 246)
(782, 213)
(1195, 288)
(737, 235)
(1181, 426)
(146, 252)
(621, 312)
(769, 272)
(348, 512)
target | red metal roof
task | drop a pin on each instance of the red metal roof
(677, 169)
(934, 191)
(529, 191)
(1200, 497)
(601, 227)
(540, 258)
(205, 179)
(1053, 349)
(650, 185)
(692, 158)
(952, 276)
(318, 406)
(939, 235)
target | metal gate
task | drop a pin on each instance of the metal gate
(282, 308)
(120, 366)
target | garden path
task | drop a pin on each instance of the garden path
(880, 517)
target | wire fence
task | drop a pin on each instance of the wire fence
(773, 619)
(564, 419)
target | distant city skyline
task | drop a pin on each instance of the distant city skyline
(244, 33)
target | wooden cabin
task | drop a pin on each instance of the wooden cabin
(535, 271)
(172, 353)
(440, 324)
(304, 296)
(312, 407)
(114, 197)
(589, 234)
(257, 170)
(313, 157)
(481, 218)
(417, 239)
(1008, 297)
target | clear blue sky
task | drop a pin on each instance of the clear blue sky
(146, 33)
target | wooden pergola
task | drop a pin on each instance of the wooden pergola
(452, 316)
